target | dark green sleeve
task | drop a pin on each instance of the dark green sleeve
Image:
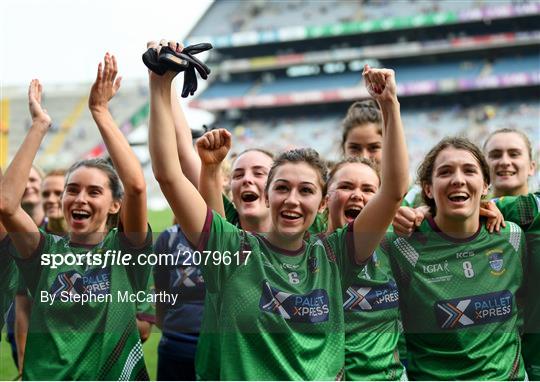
(30, 268)
(145, 310)
(219, 242)
(230, 212)
(138, 273)
(341, 243)
(519, 209)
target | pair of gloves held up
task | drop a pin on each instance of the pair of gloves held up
(168, 59)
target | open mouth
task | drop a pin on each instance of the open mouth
(290, 216)
(458, 197)
(506, 173)
(80, 215)
(249, 196)
(352, 212)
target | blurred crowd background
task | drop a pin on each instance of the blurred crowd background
(285, 72)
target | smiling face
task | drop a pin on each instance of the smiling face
(294, 197)
(32, 190)
(457, 185)
(51, 196)
(350, 189)
(248, 177)
(364, 141)
(88, 201)
(509, 164)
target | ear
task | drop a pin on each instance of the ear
(115, 207)
(485, 189)
(428, 190)
(323, 204)
(532, 168)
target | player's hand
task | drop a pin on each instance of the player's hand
(38, 113)
(214, 146)
(106, 85)
(380, 83)
(495, 218)
(407, 219)
(169, 75)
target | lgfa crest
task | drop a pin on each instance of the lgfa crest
(496, 262)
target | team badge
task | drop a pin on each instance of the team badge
(496, 262)
(313, 264)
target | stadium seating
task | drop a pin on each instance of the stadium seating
(247, 16)
(406, 73)
(71, 120)
(323, 134)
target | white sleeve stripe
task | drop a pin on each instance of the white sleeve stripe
(515, 236)
(135, 355)
(407, 250)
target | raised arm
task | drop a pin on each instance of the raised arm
(407, 219)
(191, 164)
(126, 163)
(371, 224)
(23, 230)
(187, 204)
(213, 148)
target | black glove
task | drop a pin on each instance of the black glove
(179, 62)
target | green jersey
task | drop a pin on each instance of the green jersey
(207, 354)
(371, 308)
(9, 279)
(320, 225)
(230, 212)
(146, 310)
(458, 302)
(207, 357)
(413, 198)
(88, 331)
(524, 210)
(281, 312)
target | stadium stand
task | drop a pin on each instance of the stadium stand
(74, 131)
(285, 72)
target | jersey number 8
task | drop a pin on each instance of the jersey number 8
(468, 269)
